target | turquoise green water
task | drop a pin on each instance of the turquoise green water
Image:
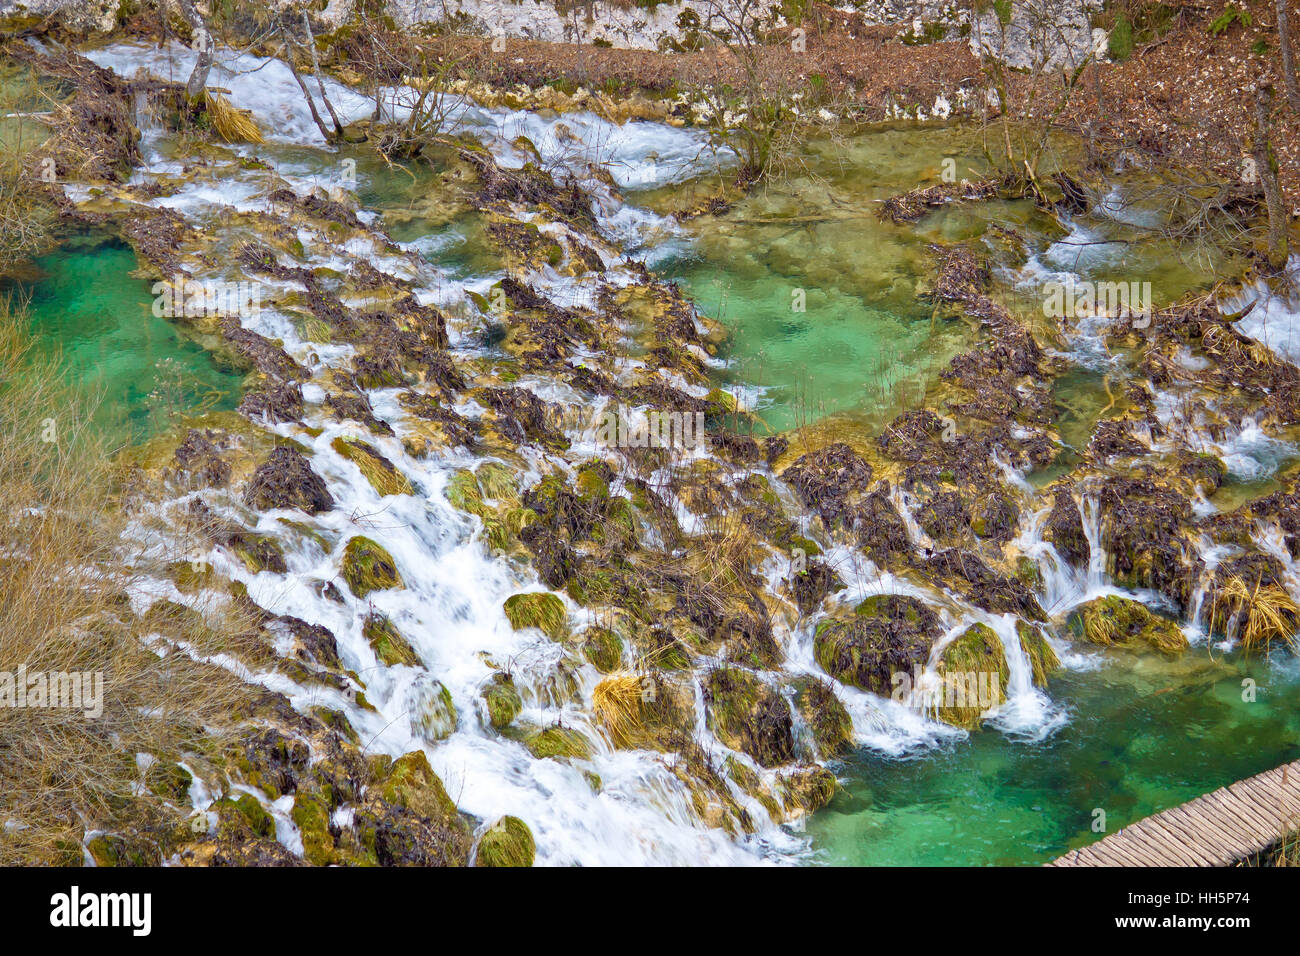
(85, 307)
(1144, 734)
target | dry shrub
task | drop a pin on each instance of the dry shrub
(230, 123)
(1263, 613)
(64, 608)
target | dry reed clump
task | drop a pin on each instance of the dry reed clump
(64, 610)
(616, 705)
(230, 123)
(1260, 614)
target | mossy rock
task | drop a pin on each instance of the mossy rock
(887, 635)
(503, 701)
(411, 783)
(807, 789)
(825, 714)
(168, 780)
(368, 567)
(602, 648)
(387, 642)
(108, 849)
(311, 814)
(1042, 658)
(748, 715)
(558, 742)
(508, 842)
(1118, 621)
(432, 711)
(1028, 573)
(539, 609)
(975, 674)
(250, 810)
(378, 470)
(259, 553)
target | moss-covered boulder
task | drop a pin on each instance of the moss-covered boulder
(748, 715)
(558, 741)
(368, 567)
(887, 634)
(251, 811)
(974, 674)
(411, 783)
(502, 699)
(602, 648)
(311, 814)
(387, 641)
(539, 609)
(508, 842)
(1042, 658)
(806, 790)
(825, 714)
(110, 849)
(1113, 621)
(431, 710)
(378, 470)
(286, 480)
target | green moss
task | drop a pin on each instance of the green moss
(368, 567)
(110, 850)
(558, 742)
(312, 817)
(503, 701)
(378, 470)
(747, 715)
(975, 660)
(808, 789)
(825, 714)
(1042, 659)
(1119, 621)
(1027, 572)
(259, 553)
(539, 609)
(508, 842)
(387, 642)
(432, 711)
(602, 648)
(252, 812)
(168, 780)
(411, 783)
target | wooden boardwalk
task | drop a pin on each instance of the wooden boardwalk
(1218, 829)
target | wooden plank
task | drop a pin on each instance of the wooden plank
(1215, 829)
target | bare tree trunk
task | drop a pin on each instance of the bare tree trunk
(1266, 163)
(1288, 65)
(320, 82)
(206, 46)
(311, 105)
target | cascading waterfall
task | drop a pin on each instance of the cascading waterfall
(451, 607)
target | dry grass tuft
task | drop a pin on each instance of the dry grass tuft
(64, 609)
(616, 705)
(231, 124)
(1261, 614)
